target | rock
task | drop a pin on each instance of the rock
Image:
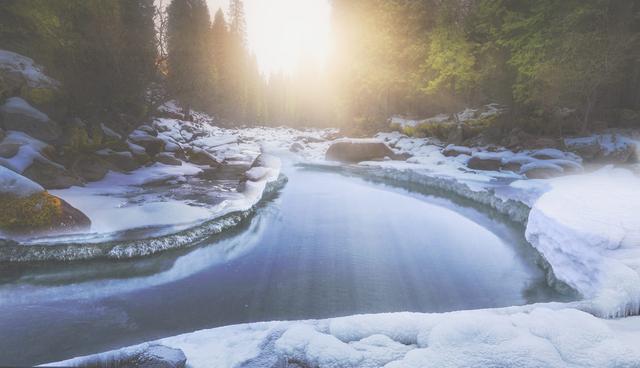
(51, 175)
(8, 150)
(541, 170)
(453, 151)
(149, 130)
(488, 164)
(90, 168)
(161, 356)
(607, 148)
(120, 161)
(167, 159)
(18, 115)
(40, 213)
(199, 156)
(356, 151)
(296, 147)
(109, 134)
(2, 133)
(152, 145)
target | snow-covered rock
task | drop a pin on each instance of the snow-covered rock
(608, 147)
(16, 64)
(18, 114)
(12, 183)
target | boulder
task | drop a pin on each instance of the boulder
(20, 76)
(26, 208)
(167, 159)
(90, 168)
(607, 148)
(151, 144)
(453, 151)
(541, 170)
(18, 115)
(358, 150)
(51, 175)
(149, 130)
(484, 163)
(120, 161)
(8, 150)
(199, 156)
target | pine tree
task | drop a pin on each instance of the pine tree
(191, 76)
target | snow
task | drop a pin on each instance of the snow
(30, 150)
(530, 336)
(32, 72)
(546, 165)
(109, 132)
(609, 142)
(17, 185)
(587, 227)
(16, 105)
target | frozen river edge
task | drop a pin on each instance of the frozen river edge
(540, 335)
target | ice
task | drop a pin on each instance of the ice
(530, 336)
(17, 185)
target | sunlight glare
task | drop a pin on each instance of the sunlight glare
(284, 33)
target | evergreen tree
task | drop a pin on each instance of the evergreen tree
(191, 77)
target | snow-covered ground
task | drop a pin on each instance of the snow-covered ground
(584, 224)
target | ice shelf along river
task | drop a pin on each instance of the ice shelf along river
(327, 245)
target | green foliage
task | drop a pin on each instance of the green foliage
(103, 51)
(425, 57)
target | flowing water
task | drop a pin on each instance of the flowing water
(328, 245)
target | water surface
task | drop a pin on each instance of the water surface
(328, 245)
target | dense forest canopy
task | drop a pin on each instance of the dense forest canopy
(558, 65)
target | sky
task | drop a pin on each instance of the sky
(282, 32)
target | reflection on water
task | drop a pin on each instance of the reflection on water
(329, 245)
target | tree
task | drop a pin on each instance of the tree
(191, 77)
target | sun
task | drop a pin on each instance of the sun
(284, 34)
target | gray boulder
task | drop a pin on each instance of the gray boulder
(8, 150)
(119, 161)
(167, 159)
(90, 168)
(199, 156)
(358, 150)
(51, 175)
(484, 163)
(18, 115)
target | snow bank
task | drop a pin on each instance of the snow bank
(588, 229)
(17, 185)
(534, 336)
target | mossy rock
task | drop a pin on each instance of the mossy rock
(39, 96)
(40, 212)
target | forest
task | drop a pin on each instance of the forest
(559, 66)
